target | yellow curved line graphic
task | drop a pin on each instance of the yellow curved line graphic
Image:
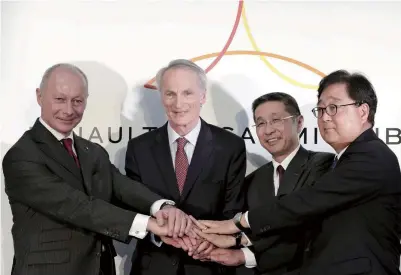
(267, 63)
(248, 52)
(257, 53)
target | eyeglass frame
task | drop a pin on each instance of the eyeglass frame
(278, 120)
(324, 109)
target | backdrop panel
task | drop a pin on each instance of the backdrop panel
(247, 47)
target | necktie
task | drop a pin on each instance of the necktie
(67, 142)
(334, 163)
(280, 172)
(181, 163)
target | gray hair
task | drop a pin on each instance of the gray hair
(72, 68)
(183, 63)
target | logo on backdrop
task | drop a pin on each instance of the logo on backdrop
(391, 136)
(309, 135)
(241, 16)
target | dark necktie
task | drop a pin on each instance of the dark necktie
(280, 172)
(181, 163)
(67, 142)
(334, 163)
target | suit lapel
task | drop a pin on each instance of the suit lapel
(293, 172)
(85, 161)
(203, 151)
(54, 149)
(266, 182)
(162, 155)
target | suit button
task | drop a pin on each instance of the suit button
(266, 228)
(98, 254)
(175, 262)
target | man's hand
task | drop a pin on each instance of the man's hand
(171, 241)
(185, 243)
(228, 257)
(219, 227)
(156, 229)
(222, 241)
(203, 251)
(178, 223)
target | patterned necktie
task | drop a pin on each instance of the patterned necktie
(67, 142)
(334, 162)
(280, 171)
(181, 163)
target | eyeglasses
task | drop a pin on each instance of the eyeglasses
(331, 109)
(275, 123)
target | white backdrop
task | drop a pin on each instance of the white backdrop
(260, 47)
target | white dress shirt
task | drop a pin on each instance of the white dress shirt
(140, 223)
(189, 149)
(250, 260)
(341, 152)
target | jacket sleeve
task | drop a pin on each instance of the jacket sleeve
(360, 175)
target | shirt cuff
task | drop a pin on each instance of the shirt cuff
(248, 241)
(139, 225)
(153, 240)
(250, 260)
(156, 206)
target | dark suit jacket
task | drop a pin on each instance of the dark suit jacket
(359, 204)
(213, 189)
(63, 214)
(279, 254)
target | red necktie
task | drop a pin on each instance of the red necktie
(280, 171)
(181, 163)
(68, 145)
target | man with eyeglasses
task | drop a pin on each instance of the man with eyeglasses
(358, 202)
(278, 123)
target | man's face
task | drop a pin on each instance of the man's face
(182, 97)
(62, 101)
(280, 137)
(347, 124)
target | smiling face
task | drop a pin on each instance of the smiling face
(347, 124)
(281, 138)
(182, 98)
(62, 100)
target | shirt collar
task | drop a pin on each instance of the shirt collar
(287, 160)
(192, 136)
(341, 152)
(57, 135)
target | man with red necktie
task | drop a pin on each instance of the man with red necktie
(61, 187)
(199, 166)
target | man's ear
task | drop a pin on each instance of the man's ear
(300, 123)
(364, 112)
(203, 97)
(39, 96)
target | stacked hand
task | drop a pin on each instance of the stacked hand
(170, 221)
(202, 240)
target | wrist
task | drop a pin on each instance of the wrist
(243, 222)
(238, 240)
(167, 204)
(241, 256)
(244, 241)
(239, 222)
(150, 225)
(232, 241)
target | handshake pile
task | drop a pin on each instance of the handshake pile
(204, 240)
